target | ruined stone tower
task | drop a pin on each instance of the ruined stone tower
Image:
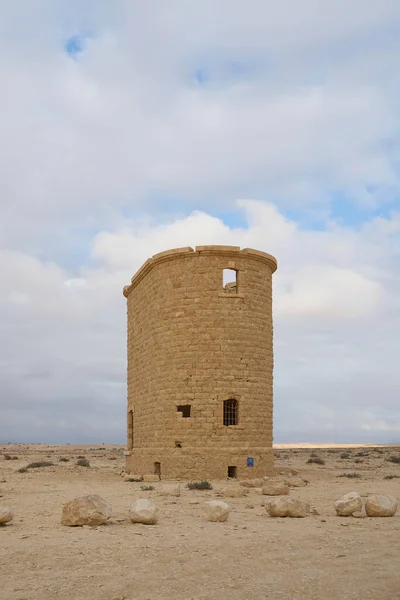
(200, 364)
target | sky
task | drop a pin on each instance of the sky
(128, 128)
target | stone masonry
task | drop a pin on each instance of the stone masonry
(200, 364)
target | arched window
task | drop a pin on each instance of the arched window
(231, 412)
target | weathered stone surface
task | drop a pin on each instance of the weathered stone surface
(287, 507)
(175, 293)
(6, 515)
(348, 504)
(85, 510)
(274, 488)
(380, 505)
(216, 510)
(287, 471)
(144, 511)
(252, 483)
(233, 492)
(149, 478)
(171, 489)
(295, 482)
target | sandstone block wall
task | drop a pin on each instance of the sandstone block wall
(193, 343)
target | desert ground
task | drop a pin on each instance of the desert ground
(184, 557)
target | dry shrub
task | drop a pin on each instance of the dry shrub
(392, 477)
(63, 459)
(345, 455)
(394, 459)
(23, 470)
(82, 462)
(39, 463)
(147, 488)
(199, 485)
(317, 460)
(350, 475)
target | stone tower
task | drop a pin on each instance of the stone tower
(200, 364)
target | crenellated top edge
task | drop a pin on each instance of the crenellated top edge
(177, 253)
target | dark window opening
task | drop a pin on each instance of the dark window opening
(157, 469)
(178, 444)
(231, 412)
(130, 430)
(232, 472)
(185, 410)
(230, 281)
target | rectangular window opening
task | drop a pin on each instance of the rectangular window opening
(185, 410)
(230, 281)
(232, 472)
(231, 412)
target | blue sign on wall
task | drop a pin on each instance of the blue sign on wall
(250, 462)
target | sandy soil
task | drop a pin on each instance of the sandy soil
(250, 557)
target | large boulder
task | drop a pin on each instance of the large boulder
(85, 510)
(6, 515)
(295, 482)
(233, 492)
(216, 510)
(252, 483)
(380, 505)
(144, 511)
(149, 478)
(348, 504)
(286, 471)
(274, 488)
(170, 489)
(287, 507)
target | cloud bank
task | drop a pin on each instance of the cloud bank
(128, 130)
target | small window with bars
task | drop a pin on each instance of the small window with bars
(231, 412)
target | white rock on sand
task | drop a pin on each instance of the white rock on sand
(6, 515)
(287, 507)
(295, 482)
(380, 505)
(348, 504)
(170, 489)
(274, 488)
(149, 478)
(233, 492)
(86, 510)
(252, 483)
(144, 511)
(216, 510)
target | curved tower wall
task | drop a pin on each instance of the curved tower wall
(193, 344)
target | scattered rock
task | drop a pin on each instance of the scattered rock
(287, 471)
(216, 510)
(295, 482)
(380, 505)
(144, 511)
(287, 507)
(348, 504)
(274, 488)
(86, 510)
(6, 515)
(148, 478)
(252, 483)
(233, 492)
(171, 489)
